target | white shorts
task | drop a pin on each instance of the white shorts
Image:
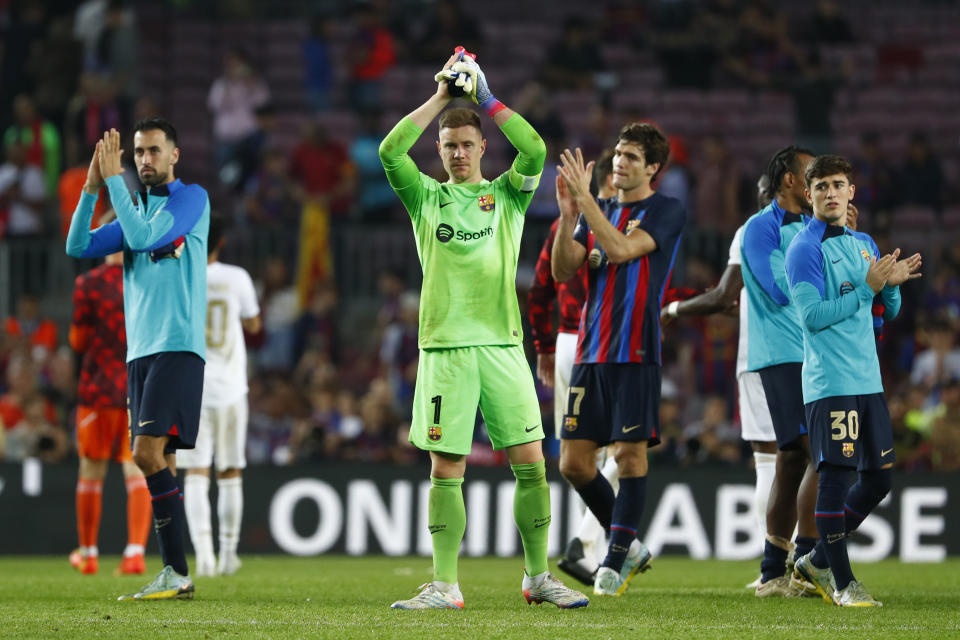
(566, 353)
(222, 436)
(755, 421)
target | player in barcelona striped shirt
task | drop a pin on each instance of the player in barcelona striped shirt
(614, 392)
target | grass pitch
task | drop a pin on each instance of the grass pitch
(344, 597)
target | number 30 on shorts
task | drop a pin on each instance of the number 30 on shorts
(845, 424)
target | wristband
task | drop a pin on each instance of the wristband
(672, 308)
(492, 106)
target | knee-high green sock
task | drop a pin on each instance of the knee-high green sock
(448, 520)
(531, 511)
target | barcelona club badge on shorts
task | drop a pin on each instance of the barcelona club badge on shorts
(570, 423)
(847, 449)
(486, 202)
(434, 433)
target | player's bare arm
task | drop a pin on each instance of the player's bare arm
(722, 297)
(619, 247)
(567, 255)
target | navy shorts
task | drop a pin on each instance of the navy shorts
(851, 431)
(164, 393)
(610, 402)
(783, 387)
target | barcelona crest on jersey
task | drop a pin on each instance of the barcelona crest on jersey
(847, 449)
(434, 433)
(865, 254)
(486, 202)
(632, 224)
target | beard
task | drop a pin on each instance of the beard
(153, 179)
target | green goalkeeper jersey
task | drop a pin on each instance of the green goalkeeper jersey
(468, 240)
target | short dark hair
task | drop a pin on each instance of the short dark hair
(218, 229)
(460, 117)
(656, 147)
(784, 161)
(603, 167)
(154, 124)
(828, 165)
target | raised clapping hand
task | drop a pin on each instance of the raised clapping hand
(94, 180)
(110, 153)
(880, 270)
(906, 269)
(575, 173)
(568, 206)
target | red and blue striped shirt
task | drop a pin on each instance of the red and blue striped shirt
(620, 321)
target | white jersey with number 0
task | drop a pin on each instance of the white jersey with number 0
(230, 298)
(742, 345)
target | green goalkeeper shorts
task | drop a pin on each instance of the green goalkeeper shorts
(451, 383)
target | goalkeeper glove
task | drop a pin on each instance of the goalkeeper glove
(480, 93)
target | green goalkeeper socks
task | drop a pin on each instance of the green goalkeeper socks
(531, 511)
(448, 521)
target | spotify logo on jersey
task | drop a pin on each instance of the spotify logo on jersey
(444, 232)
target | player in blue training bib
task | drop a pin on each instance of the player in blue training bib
(834, 275)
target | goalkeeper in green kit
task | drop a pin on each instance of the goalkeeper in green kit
(468, 232)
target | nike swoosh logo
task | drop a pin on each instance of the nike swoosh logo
(144, 423)
(541, 524)
(529, 429)
(443, 204)
(633, 428)
(883, 453)
(836, 261)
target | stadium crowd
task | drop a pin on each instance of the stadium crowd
(326, 383)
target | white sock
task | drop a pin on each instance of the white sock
(133, 550)
(196, 502)
(90, 552)
(766, 470)
(229, 512)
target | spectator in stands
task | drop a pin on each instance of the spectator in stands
(281, 310)
(40, 139)
(233, 100)
(33, 332)
(945, 435)
(828, 25)
(35, 436)
(572, 62)
(318, 64)
(920, 181)
(96, 108)
(54, 67)
(320, 167)
(874, 176)
(373, 196)
(675, 180)
(446, 22)
(399, 352)
(943, 297)
(25, 28)
(22, 387)
(716, 204)
(371, 54)
(115, 51)
(318, 329)
(271, 196)
(22, 194)
(714, 438)
(940, 362)
(762, 52)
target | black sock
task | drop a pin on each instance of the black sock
(598, 496)
(774, 563)
(805, 545)
(831, 524)
(627, 510)
(863, 498)
(169, 519)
